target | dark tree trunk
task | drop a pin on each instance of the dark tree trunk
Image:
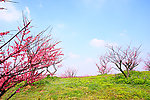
(2, 93)
(123, 73)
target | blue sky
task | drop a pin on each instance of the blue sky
(85, 26)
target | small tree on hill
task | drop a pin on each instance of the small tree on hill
(70, 73)
(147, 63)
(103, 67)
(132, 59)
(127, 58)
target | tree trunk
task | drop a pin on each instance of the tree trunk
(1, 94)
(128, 73)
(123, 73)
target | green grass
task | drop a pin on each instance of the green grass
(111, 87)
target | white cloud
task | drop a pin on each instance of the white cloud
(73, 56)
(97, 43)
(27, 12)
(11, 14)
(100, 43)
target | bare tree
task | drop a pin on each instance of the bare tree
(103, 67)
(127, 58)
(132, 59)
(70, 73)
(2, 8)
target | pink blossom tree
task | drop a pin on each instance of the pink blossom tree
(132, 59)
(103, 67)
(25, 58)
(147, 63)
(127, 58)
(70, 72)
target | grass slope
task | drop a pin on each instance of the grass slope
(111, 87)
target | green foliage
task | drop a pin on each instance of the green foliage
(46, 80)
(111, 87)
(135, 78)
(41, 82)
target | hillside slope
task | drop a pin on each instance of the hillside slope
(94, 87)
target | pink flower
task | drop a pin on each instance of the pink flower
(4, 33)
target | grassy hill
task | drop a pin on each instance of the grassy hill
(111, 87)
